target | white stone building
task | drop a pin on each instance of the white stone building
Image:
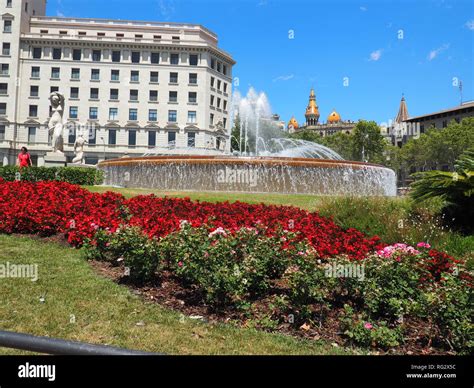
(131, 86)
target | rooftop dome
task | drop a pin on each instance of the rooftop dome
(293, 123)
(334, 117)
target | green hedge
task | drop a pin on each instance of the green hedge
(74, 175)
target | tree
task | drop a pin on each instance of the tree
(455, 188)
(368, 142)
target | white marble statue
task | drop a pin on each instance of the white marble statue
(55, 124)
(79, 149)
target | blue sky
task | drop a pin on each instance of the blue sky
(384, 48)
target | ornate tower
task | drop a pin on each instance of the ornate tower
(312, 112)
(402, 111)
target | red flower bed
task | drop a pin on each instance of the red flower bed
(48, 208)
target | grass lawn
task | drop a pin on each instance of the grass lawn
(107, 313)
(309, 202)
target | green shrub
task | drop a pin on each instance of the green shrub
(73, 175)
(139, 253)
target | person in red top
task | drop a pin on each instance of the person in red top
(24, 158)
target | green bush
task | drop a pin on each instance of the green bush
(138, 252)
(73, 175)
(228, 268)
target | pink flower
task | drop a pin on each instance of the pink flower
(423, 245)
(368, 325)
(180, 264)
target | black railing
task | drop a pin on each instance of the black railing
(46, 345)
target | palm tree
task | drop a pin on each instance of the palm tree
(455, 188)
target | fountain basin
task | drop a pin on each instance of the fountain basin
(251, 174)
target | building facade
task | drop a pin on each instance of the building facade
(333, 125)
(405, 127)
(130, 87)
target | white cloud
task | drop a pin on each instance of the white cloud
(470, 24)
(59, 13)
(375, 55)
(284, 77)
(262, 3)
(434, 53)
(362, 8)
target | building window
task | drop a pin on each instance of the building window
(93, 113)
(224, 122)
(74, 93)
(95, 74)
(173, 97)
(114, 94)
(219, 84)
(57, 53)
(192, 97)
(2, 132)
(133, 114)
(224, 105)
(134, 76)
(115, 75)
(193, 59)
(9, 3)
(135, 56)
(171, 139)
(213, 63)
(3, 89)
(35, 72)
(211, 119)
(33, 111)
(5, 69)
(53, 89)
(96, 55)
(77, 54)
(212, 100)
(75, 73)
(172, 116)
(133, 95)
(224, 69)
(7, 26)
(192, 139)
(62, 32)
(92, 136)
(218, 102)
(37, 52)
(155, 58)
(112, 136)
(173, 78)
(55, 73)
(31, 134)
(175, 39)
(113, 114)
(151, 138)
(73, 112)
(219, 67)
(132, 137)
(225, 87)
(6, 49)
(193, 78)
(192, 116)
(213, 80)
(154, 95)
(94, 94)
(174, 59)
(34, 91)
(152, 115)
(3, 108)
(116, 56)
(445, 123)
(72, 136)
(154, 76)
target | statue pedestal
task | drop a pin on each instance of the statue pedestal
(54, 159)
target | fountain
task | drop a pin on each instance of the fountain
(266, 162)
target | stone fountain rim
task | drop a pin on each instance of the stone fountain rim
(218, 159)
